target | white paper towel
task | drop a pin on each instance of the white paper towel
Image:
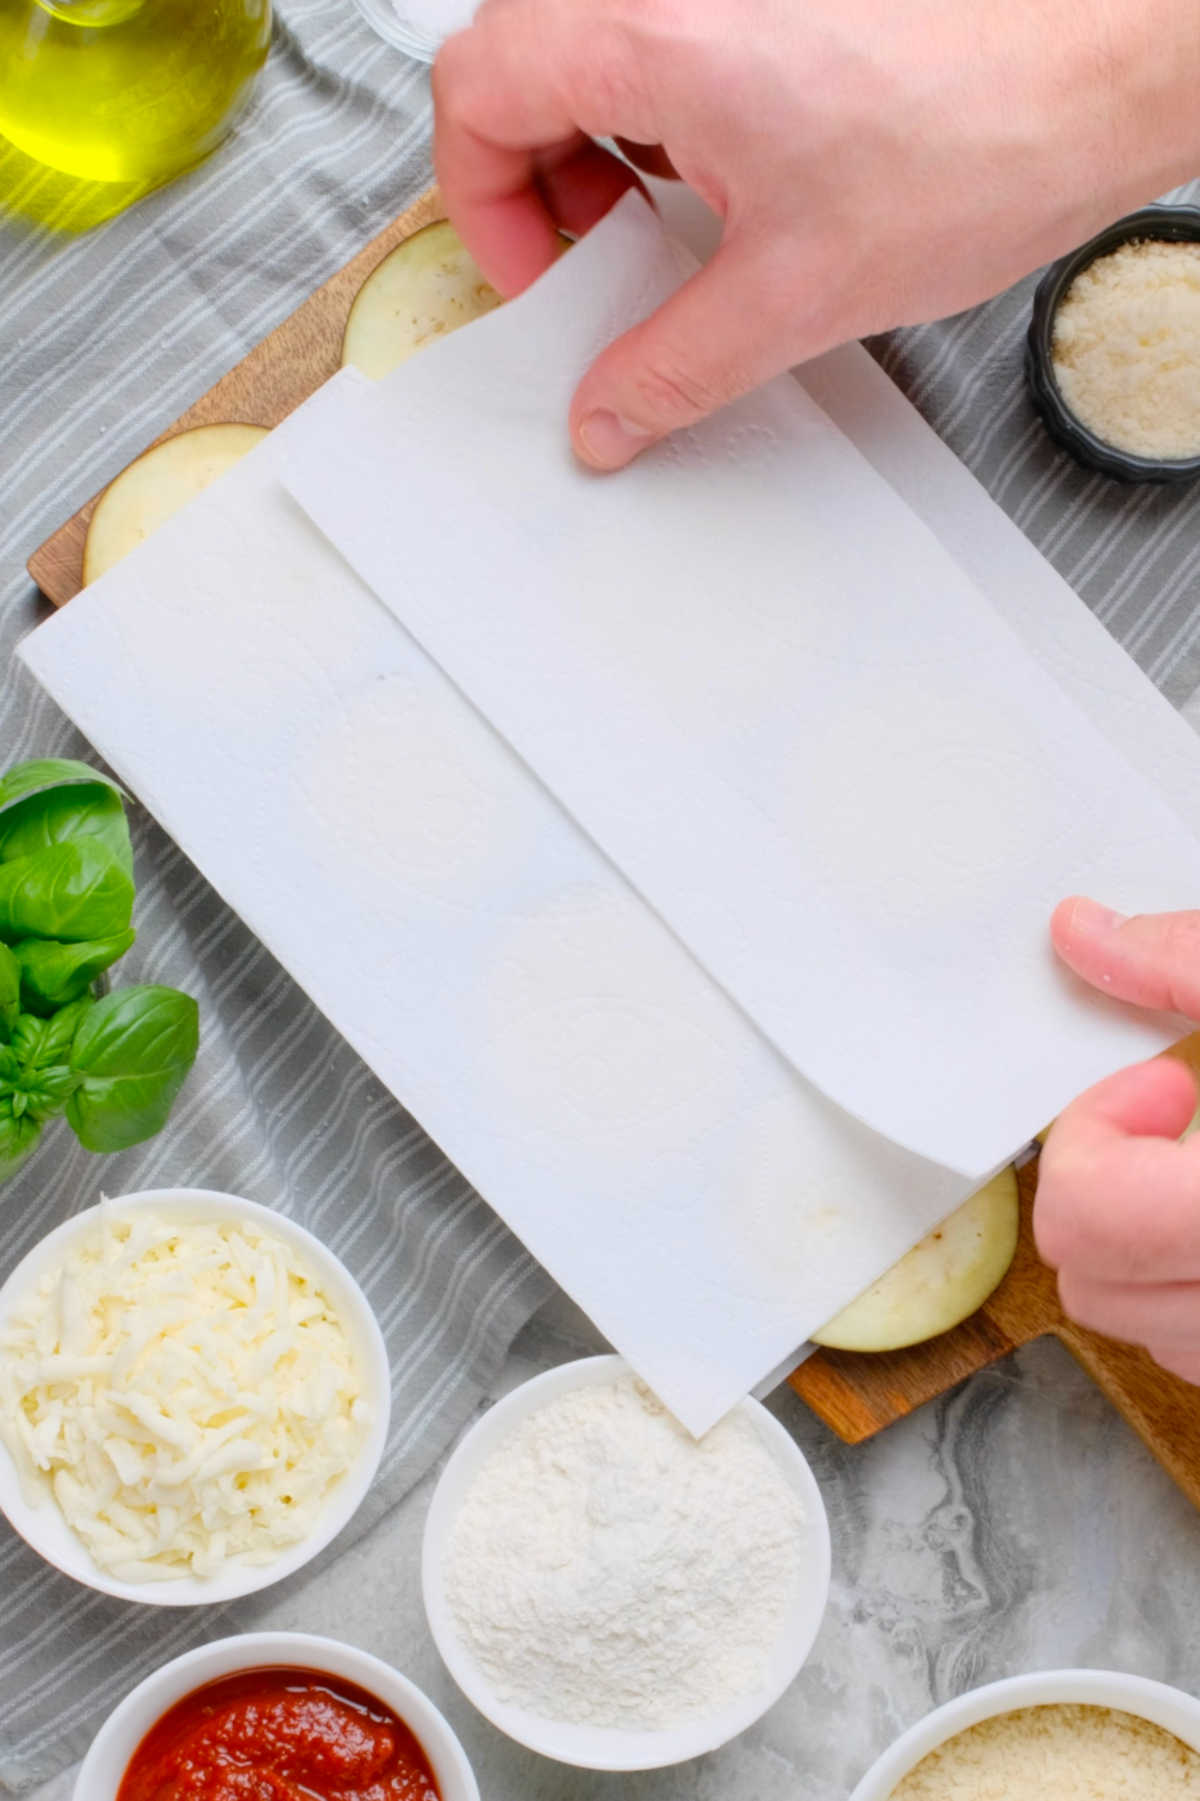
(761, 685)
(700, 1201)
(1024, 589)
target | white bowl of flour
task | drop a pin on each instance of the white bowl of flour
(608, 1590)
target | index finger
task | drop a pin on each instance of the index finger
(515, 113)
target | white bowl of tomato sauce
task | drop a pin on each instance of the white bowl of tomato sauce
(311, 1716)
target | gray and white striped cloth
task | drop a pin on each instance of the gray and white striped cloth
(103, 339)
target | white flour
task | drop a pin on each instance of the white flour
(607, 1568)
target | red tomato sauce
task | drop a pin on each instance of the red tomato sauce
(279, 1735)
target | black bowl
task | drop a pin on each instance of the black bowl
(1175, 224)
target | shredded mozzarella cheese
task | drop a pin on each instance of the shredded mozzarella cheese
(184, 1390)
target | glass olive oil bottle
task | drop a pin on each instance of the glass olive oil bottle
(126, 90)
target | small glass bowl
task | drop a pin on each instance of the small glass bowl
(419, 37)
(1173, 224)
(383, 19)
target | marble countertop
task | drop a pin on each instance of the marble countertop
(1017, 1524)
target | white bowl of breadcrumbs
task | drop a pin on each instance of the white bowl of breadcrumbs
(1053, 1735)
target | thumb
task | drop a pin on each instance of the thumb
(720, 335)
(1152, 959)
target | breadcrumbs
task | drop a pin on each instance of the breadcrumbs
(1057, 1753)
(1126, 348)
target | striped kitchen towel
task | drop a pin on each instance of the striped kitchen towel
(104, 338)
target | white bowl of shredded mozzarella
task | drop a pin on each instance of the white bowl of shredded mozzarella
(193, 1397)
(612, 1592)
(1069, 1735)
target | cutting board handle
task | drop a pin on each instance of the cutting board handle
(1163, 1410)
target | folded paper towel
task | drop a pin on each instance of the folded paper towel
(762, 686)
(701, 1201)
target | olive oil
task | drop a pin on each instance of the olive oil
(126, 90)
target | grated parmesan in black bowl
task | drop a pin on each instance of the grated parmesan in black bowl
(1113, 352)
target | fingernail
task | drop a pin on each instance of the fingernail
(1094, 918)
(609, 442)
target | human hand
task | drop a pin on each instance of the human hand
(1118, 1199)
(872, 165)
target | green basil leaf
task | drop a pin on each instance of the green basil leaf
(43, 773)
(52, 974)
(10, 992)
(18, 1136)
(75, 892)
(133, 1050)
(40, 1044)
(43, 1095)
(36, 1078)
(28, 1038)
(56, 1085)
(63, 815)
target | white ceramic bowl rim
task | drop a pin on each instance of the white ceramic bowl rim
(106, 1762)
(1171, 1708)
(608, 1748)
(45, 1529)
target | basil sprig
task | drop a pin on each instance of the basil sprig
(112, 1065)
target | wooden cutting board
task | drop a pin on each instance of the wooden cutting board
(856, 1395)
(267, 385)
